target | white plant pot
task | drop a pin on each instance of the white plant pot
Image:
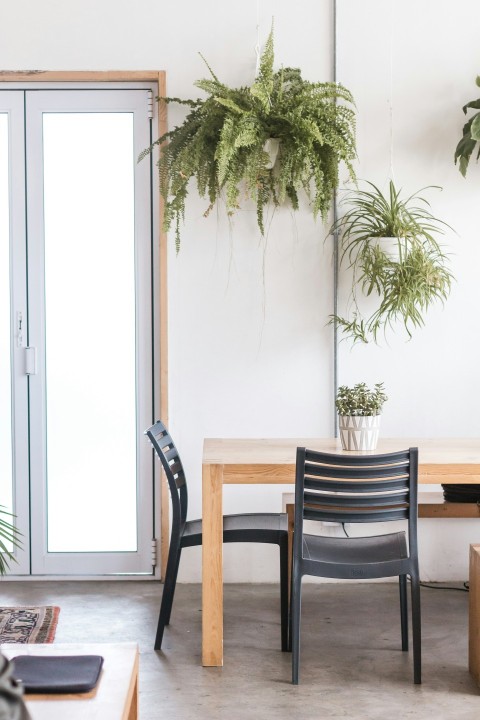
(359, 432)
(390, 246)
(271, 147)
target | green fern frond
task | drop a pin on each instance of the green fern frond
(248, 132)
(230, 104)
(263, 86)
(226, 148)
(220, 144)
(209, 68)
(212, 87)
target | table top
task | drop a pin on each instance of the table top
(108, 701)
(272, 460)
(281, 451)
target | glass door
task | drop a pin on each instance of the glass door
(13, 323)
(89, 355)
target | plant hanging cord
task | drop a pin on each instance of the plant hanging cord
(335, 252)
(257, 46)
(390, 102)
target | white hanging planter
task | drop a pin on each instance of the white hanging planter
(271, 147)
(390, 246)
(359, 432)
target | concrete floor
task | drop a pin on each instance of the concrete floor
(351, 666)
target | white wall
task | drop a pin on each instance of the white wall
(411, 66)
(250, 352)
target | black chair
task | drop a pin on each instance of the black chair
(357, 489)
(255, 527)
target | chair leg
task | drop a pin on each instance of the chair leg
(403, 610)
(168, 593)
(284, 592)
(295, 614)
(179, 555)
(416, 629)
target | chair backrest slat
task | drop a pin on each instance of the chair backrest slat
(170, 454)
(384, 515)
(354, 486)
(360, 473)
(358, 460)
(324, 499)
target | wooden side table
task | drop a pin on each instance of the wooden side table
(115, 696)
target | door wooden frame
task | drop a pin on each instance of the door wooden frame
(159, 78)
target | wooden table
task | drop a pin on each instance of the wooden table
(114, 698)
(230, 461)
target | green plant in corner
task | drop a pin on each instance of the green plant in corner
(9, 536)
(471, 135)
(359, 400)
(222, 143)
(404, 282)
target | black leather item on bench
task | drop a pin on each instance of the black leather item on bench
(251, 528)
(459, 493)
(52, 674)
(357, 489)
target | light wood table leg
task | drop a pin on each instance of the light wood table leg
(474, 613)
(133, 693)
(288, 506)
(212, 566)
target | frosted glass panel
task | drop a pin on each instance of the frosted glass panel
(90, 331)
(5, 350)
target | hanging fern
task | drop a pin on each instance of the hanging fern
(221, 143)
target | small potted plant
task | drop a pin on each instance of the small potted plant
(390, 244)
(359, 413)
(229, 142)
(9, 536)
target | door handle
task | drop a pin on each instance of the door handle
(30, 360)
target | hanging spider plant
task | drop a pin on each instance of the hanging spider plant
(404, 283)
(9, 536)
(222, 143)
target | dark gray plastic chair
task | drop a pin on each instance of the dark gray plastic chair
(357, 489)
(251, 528)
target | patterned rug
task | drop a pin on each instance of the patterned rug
(28, 624)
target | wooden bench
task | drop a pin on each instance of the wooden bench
(474, 613)
(430, 505)
(115, 696)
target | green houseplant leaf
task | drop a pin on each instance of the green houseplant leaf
(9, 536)
(404, 283)
(360, 400)
(475, 127)
(470, 136)
(220, 144)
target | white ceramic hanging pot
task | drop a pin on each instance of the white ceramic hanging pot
(271, 147)
(390, 246)
(359, 432)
